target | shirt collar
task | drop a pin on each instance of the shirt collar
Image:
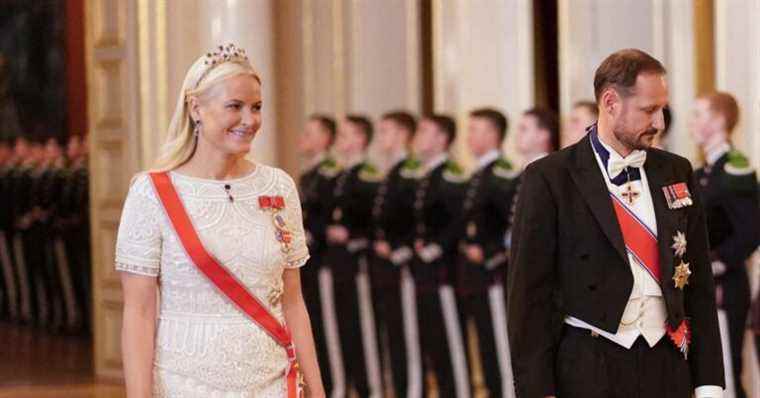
(488, 157)
(716, 151)
(437, 161)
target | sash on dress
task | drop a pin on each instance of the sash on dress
(233, 289)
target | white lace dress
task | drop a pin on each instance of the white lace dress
(205, 347)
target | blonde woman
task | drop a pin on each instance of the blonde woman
(217, 240)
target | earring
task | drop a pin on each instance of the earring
(197, 128)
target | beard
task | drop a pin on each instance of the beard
(635, 140)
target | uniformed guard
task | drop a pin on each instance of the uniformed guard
(729, 190)
(438, 201)
(28, 154)
(347, 235)
(72, 235)
(391, 212)
(483, 256)
(315, 186)
(8, 297)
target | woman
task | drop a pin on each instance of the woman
(202, 343)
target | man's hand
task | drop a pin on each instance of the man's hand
(382, 249)
(337, 234)
(474, 253)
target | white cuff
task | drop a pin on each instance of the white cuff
(401, 255)
(708, 392)
(355, 245)
(430, 253)
(718, 268)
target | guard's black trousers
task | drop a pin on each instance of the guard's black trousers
(594, 367)
(476, 306)
(389, 321)
(345, 268)
(312, 297)
(434, 345)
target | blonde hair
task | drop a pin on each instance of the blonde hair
(206, 72)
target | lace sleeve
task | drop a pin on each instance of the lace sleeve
(138, 243)
(299, 253)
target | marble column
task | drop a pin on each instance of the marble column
(483, 56)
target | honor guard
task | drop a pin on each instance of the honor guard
(437, 202)
(392, 208)
(28, 155)
(315, 185)
(728, 186)
(8, 297)
(346, 234)
(73, 217)
(483, 257)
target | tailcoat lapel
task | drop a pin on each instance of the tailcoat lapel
(590, 182)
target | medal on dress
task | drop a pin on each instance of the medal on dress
(681, 276)
(275, 204)
(630, 194)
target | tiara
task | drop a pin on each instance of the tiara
(220, 55)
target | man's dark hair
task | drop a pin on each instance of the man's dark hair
(327, 123)
(496, 118)
(403, 119)
(620, 70)
(548, 120)
(365, 125)
(589, 106)
(446, 125)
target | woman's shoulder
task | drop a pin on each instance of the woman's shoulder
(140, 186)
(279, 176)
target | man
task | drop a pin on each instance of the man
(482, 252)
(660, 139)
(314, 185)
(438, 199)
(537, 136)
(349, 210)
(728, 186)
(606, 297)
(391, 211)
(73, 215)
(584, 114)
(8, 297)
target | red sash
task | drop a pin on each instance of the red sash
(641, 242)
(224, 280)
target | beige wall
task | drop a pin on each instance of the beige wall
(590, 30)
(483, 56)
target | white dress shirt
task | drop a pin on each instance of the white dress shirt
(487, 158)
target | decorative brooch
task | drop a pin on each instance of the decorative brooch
(677, 195)
(274, 205)
(682, 271)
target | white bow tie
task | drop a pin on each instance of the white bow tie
(616, 166)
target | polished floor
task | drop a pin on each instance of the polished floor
(36, 364)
